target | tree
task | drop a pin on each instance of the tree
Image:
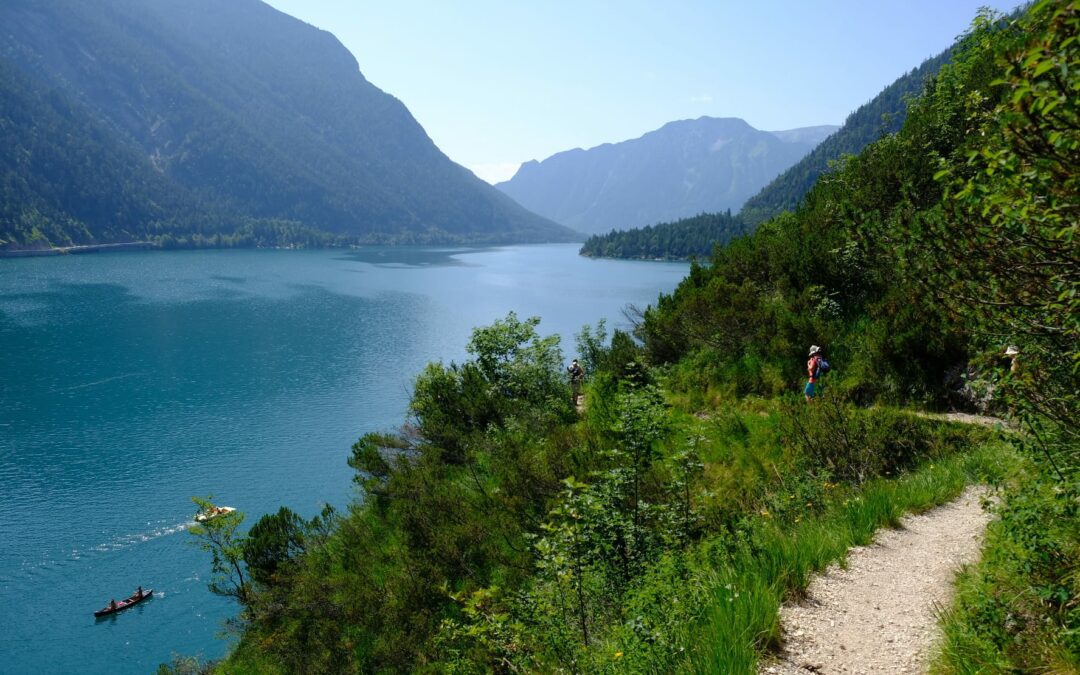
(218, 537)
(1007, 254)
(279, 539)
(514, 373)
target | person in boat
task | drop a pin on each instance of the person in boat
(112, 604)
(138, 593)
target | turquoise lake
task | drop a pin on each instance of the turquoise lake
(133, 381)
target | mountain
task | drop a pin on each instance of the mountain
(884, 114)
(208, 121)
(696, 236)
(682, 169)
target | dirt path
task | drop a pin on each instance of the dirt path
(877, 616)
(968, 418)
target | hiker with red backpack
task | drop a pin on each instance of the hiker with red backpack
(815, 367)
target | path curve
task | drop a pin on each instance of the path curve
(878, 615)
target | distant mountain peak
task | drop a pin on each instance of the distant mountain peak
(684, 168)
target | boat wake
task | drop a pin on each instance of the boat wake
(48, 561)
(97, 382)
(127, 540)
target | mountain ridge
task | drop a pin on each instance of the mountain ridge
(881, 115)
(683, 168)
(250, 115)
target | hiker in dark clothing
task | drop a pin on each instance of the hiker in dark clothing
(577, 376)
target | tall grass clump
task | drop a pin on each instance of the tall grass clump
(1018, 609)
(780, 559)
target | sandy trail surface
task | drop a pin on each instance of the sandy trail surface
(877, 616)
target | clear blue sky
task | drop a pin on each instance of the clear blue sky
(498, 82)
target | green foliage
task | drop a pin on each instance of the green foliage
(1018, 609)
(187, 665)
(1000, 258)
(514, 371)
(274, 544)
(217, 536)
(842, 442)
(693, 237)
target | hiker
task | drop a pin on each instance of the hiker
(1011, 352)
(577, 375)
(814, 369)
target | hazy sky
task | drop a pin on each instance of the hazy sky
(499, 82)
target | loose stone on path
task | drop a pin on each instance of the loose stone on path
(877, 616)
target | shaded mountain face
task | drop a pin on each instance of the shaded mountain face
(682, 169)
(884, 114)
(202, 113)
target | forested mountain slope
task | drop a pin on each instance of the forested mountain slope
(140, 118)
(682, 169)
(693, 237)
(883, 114)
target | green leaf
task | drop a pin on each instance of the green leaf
(1043, 67)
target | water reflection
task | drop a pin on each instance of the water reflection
(410, 256)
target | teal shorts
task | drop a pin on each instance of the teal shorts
(811, 389)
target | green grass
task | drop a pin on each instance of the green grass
(741, 621)
(1018, 609)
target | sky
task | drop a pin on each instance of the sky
(499, 82)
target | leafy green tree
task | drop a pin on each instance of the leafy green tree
(1007, 253)
(275, 543)
(515, 372)
(218, 536)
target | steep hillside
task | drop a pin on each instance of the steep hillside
(682, 169)
(244, 113)
(884, 114)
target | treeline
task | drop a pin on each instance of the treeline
(683, 239)
(658, 532)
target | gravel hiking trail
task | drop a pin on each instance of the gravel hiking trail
(878, 615)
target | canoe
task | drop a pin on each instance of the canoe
(203, 516)
(124, 604)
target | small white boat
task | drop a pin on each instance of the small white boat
(214, 512)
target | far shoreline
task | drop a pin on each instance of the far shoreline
(149, 245)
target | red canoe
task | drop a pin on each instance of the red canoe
(124, 604)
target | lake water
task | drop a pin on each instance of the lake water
(132, 381)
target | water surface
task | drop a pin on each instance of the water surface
(132, 381)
